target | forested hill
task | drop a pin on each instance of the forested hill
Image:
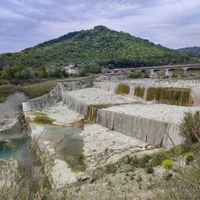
(191, 51)
(92, 49)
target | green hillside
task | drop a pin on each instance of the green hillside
(89, 49)
(191, 51)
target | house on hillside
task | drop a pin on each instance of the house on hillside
(72, 69)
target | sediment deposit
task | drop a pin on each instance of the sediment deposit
(103, 146)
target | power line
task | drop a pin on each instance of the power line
(104, 7)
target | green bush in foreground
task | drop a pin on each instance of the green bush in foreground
(167, 164)
(189, 157)
(190, 127)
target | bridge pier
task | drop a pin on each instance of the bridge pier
(154, 73)
(185, 71)
(169, 72)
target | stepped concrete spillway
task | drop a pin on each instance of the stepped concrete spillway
(102, 146)
(81, 100)
(124, 125)
(189, 90)
(157, 124)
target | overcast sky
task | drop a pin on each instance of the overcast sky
(171, 23)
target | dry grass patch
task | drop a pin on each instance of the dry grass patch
(39, 89)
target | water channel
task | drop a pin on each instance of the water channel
(66, 141)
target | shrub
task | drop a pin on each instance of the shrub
(135, 74)
(183, 186)
(138, 74)
(111, 169)
(149, 169)
(189, 157)
(190, 127)
(167, 164)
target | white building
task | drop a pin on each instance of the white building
(71, 69)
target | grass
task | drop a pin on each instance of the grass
(41, 118)
(39, 89)
(167, 164)
(35, 89)
(28, 184)
(25, 180)
(76, 163)
(184, 186)
(189, 157)
(31, 182)
(31, 91)
(149, 161)
(190, 127)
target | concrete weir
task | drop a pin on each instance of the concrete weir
(86, 100)
(153, 123)
(123, 125)
(173, 92)
(57, 143)
(51, 138)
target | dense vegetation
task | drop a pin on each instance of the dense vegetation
(89, 50)
(191, 51)
(190, 127)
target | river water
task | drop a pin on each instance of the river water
(68, 144)
(66, 141)
(17, 148)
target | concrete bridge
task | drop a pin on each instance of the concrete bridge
(155, 69)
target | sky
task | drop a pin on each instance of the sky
(171, 23)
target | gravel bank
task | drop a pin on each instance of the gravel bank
(62, 114)
(94, 96)
(103, 146)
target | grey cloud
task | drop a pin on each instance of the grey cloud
(168, 22)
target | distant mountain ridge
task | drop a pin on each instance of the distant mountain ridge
(92, 49)
(191, 51)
